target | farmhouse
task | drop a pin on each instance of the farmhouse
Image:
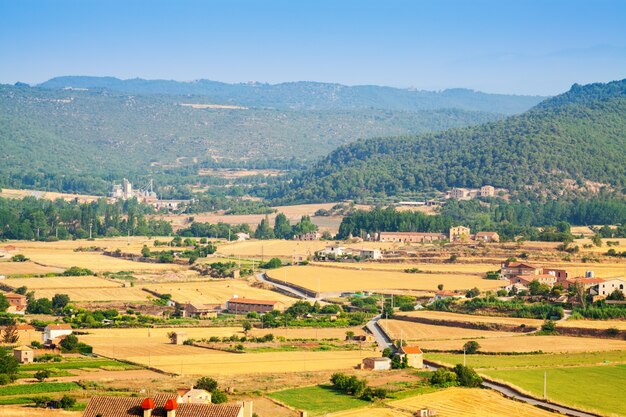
(487, 191)
(193, 396)
(242, 236)
(17, 303)
(54, 331)
(331, 252)
(376, 364)
(370, 253)
(460, 194)
(586, 282)
(487, 237)
(411, 237)
(162, 405)
(179, 338)
(414, 355)
(459, 234)
(308, 236)
(246, 305)
(607, 287)
(444, 294)
(201, 310)
(24, 354)
(512, 269)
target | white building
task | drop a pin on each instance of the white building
(370, 254)
(607, 287)
(53, 331)
(376, 364)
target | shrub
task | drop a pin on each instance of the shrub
(471, 347)
(444, 378)
(4, 379)
(548, 326)
(19, 258)
(467, 377)
(42, 375)
(206, 383)
(219, 397)
(76, 271)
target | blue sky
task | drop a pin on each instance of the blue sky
(523, 46)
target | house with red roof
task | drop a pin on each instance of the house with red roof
(246, 305)
(414, 355)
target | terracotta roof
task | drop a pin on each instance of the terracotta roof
(13, 295)
(59, 327)
(585, 280)
(379, 359)
(131, 407)
(486, 233)
(520, 265)
(445, 293)
(412, 350)
(251, 301)
(20, 327)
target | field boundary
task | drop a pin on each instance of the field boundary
(498, 327)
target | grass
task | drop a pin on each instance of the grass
(317, 400)
(97, 363)
(530, 361)
(38, 388)
(603, 385)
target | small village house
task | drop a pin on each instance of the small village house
(370, 254)
(487, 237)
(414, 356)
(17, 303)
(56, 331)
(179, 338)
(331, 252)
(607, 287)
(246, 305)
(410, 237)
(193, 396)
(487, 191)
(587, 283)
(24, 354)
(203, 311)
(509, 270)
(308, 236)
(376, 364)
(242, 236)
(460, 193)
(459, 234)
(445, 294)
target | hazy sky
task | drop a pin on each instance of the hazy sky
(523, 46)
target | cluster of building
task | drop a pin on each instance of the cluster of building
(471, 193)
(235, 305)
(125, 191)
(414, 357)
(341, 252)
(455, 234)
(521, 274)
(186, 403)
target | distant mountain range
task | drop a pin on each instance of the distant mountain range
(574, 142)
(308, 95)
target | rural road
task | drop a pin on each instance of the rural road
(381, 337)
(293, 291)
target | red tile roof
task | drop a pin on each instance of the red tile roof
(12, 295)
(520, 265)
(251, 301)
(59, 327)
(412, 350)
(131, 407)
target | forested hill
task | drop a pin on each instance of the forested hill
(309, 95)
(575, 141)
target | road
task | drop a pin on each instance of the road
(290, 290)
(381, 337)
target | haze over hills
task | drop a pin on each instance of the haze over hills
(574, 141)
(305, 95)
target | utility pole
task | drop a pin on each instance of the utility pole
(545, 384)
(90, 227)
(464, 362)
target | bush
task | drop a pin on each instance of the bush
(471, 347)
(4, 379)
(206, 383)
(77, 272)
(19, 258)
(444, 378)
(467, 377)
(42, 375)
(219, 397)
(548, 326)
(272, 264)
(67, 402)
(372, 394)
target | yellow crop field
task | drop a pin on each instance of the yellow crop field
(481, 268)
(443, 315)
(530, 343)
(309, 332)
(594, 324)
(48, 195)
(17, 411)
(62, 282)
(474, 402)
(335, 279)
(602, 249)
(418, 331)
(214, 292)
(61, 254)
(21, 268)
(370, 412)
(208, 362)
(82, 295)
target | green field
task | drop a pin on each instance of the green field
(77, 364)
(317, 400)
(530, 361)
(38, 388)
(588, 387)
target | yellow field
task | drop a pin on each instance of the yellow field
(19, 268)
(417, 331)
(214, 292)
(442, 315)
(601, 249)
(150, 347)
(370, 412)
(128, 294)
(61, 254)
(309, 332)
(334, 280)
(47, 195)
(466, 402)
(529, 343)
(62, 282)
(29, 411)
(426, 267)
(594, 324)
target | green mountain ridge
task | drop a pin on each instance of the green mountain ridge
(305, 95)
(566, 142)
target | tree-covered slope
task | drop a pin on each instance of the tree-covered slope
(571, 141)
(310, 95)
(111, 134)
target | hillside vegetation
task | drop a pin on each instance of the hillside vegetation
(575, 141)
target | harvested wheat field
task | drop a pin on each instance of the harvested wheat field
(418, 331)
(47, 195)
(208, 362)
(62, 282)
(481, 268)
(334, 280)
(531, 343)
(469, 402)
(214, 291)
(17, 411)
(601, 249)
(594, 324)
(370, 412)
(128, 294)
(309, 332)
(444, 315)
(26, 268)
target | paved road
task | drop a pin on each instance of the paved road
(381, 338)
(293, 291)
(511, 393)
